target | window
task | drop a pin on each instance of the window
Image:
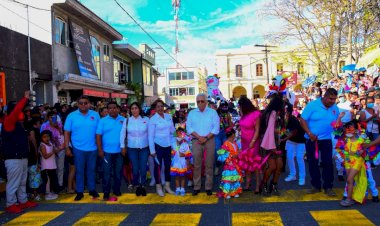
(95, 50)
(60, 32)
(300, 68)
(178, 76)
(280, 67)
(171, 76)
(190, 75)
(183, 91)
(173, 91)
(239, 71)
(106, 53)
(191, 91)
(341, 64)
(184, 75)
(122, 71)
(147, 75)
(259, 70)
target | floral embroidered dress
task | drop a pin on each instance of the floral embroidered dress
(231, 175)
(179, 165)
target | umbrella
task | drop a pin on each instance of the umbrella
(349, 67)
(309, 81)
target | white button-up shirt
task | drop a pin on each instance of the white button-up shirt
(137, 130)
(203, 123)
(161, 131)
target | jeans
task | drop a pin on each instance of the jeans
(296, 150)
(85, 160)
(325, 154)
(163, 154)
(139, 158)
(112, 165)
(219, 140)
(17, 172)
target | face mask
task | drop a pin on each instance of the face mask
(349, 135)
(179, 139)
(370, 105)
(342, 99)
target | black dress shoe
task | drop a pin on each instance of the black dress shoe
(143, 191)
(208, 192)
(138, 191)
(94, 194)
(79, 196)
(196, 192)
(375, 199)
(106, 196)
(117, 193)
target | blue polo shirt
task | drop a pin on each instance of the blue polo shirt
(319, 118)
(110, 129)
(82, 128)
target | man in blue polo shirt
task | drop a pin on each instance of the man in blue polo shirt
(316, 120)
(108, 141)
(80, 128)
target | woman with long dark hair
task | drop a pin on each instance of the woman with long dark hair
(249, 159)
(272, 124)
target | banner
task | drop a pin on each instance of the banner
(82, 46)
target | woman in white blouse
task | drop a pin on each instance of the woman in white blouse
(161, 130)
(135, 128)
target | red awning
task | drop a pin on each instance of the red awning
(119, 95)
(95, 93)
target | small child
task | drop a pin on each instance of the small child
(351, 151)
(48, 164)
(181, 155)
(231, 175)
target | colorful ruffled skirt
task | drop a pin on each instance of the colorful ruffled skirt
(230, 184)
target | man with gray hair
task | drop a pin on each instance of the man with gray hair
(203, 124)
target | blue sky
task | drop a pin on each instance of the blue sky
(204, 27)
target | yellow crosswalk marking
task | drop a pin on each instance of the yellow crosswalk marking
(183, 219)
(259, 218)
(101, 218)
(35, 218)
(149, 199)
(340, 218)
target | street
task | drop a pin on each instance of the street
(293, 207)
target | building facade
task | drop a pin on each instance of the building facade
(183, 84)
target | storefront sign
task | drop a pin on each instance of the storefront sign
(119, 95)
(82, 46)
(95, 93)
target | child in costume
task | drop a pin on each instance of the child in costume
(181, 156)
(351, 150)
(231, 175)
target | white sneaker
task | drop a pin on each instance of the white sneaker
(236, 196)
(51, 196)
(290, 178)
(228, 197)
(301, 182)
(189, 183)
(152, 182)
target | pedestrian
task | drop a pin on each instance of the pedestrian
(160, 134)
(230, 184)
(135, 129)
(15, 152)
(108, 142)
(316, 120)
(249, 158)
(181, 160)
(271, 125)
(48, 165)
(295, 147)
(80, 130)
(369, 118)
(350, 148)
(203, 125)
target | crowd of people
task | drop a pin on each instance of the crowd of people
(50, 150)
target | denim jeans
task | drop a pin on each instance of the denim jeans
(325, 154)
(163, 155)
(112, 165)
(296, 150)
(219, 140)
(139, 159)
(85, 160)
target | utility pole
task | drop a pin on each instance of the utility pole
(266, 57)
(29, 59)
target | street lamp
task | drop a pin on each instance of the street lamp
(266, 57)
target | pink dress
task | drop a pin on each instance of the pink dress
(48, 163)
(249, 159)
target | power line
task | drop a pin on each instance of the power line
(151, 37)
(26, 5)
(26, 19)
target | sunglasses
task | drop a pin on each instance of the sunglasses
(82, 103)
(201, 101)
